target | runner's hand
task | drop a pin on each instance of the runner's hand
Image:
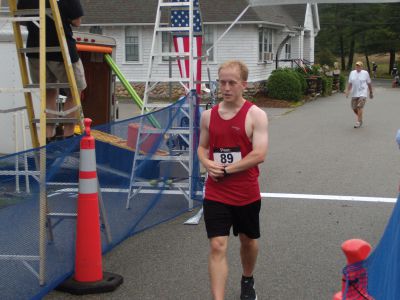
(215, 170)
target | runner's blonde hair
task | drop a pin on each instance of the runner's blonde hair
(242, 67)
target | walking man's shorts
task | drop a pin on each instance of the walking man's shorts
(220, 217)
(358, 102)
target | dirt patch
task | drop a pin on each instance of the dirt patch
(264, 101)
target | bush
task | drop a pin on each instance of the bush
(342, 83)
(301, 70)
(327, 85)
(303, 82)
(284, 84)
(315, 70)
(300, 75)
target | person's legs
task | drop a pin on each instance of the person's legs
(360, 108)
(51, 94)
(357, 105)
(58, 69)
(81, 84)
(360, 115)
(248, 254)
(247, 225)
(354, 107)
(218, 266)
(69, 128)
(358, 118)
(218, 220)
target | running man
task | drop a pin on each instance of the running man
(233, 142)
(359, 85)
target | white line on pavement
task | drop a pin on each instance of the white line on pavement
(328, 197)
(263, 195)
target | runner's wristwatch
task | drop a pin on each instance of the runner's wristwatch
(225, 173)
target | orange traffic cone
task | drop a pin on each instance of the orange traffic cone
(355, 279)
(89, 277)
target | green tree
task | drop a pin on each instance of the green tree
(362, 28)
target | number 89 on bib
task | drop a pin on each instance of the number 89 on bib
(227, 156)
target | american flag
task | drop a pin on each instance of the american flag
(180, 18)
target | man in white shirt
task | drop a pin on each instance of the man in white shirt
(398, 138)
(359, 85)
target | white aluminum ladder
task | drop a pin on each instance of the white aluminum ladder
(185, 159)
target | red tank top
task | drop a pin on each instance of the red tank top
(228, 143)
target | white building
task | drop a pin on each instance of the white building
(13, 117)
(255, 39)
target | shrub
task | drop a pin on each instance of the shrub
(302, 79)
(300, 75)
(342, 83)
(284, 84)
(327, 85)
(301, 70)
(315, 70)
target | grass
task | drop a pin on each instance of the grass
(297, 103)
(382, 60)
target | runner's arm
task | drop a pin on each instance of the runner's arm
(371, 93)
(259, 141)
(349, 87)
(215, 170)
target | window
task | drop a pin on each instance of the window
(96, 29)
(167, 45)
(208, 41)
(265, 44)
(132, 44)
(4, 6)
(288, 50)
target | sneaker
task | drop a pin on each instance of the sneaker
(357, 125)
(248, 292)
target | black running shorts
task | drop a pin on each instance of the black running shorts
(220, 217)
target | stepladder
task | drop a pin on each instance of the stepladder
(46, 42)
(40, 17)
(184, 30)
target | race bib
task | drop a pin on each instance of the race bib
(227, 156)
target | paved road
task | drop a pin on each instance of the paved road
(314, 149)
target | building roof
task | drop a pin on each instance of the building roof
(108, 12)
